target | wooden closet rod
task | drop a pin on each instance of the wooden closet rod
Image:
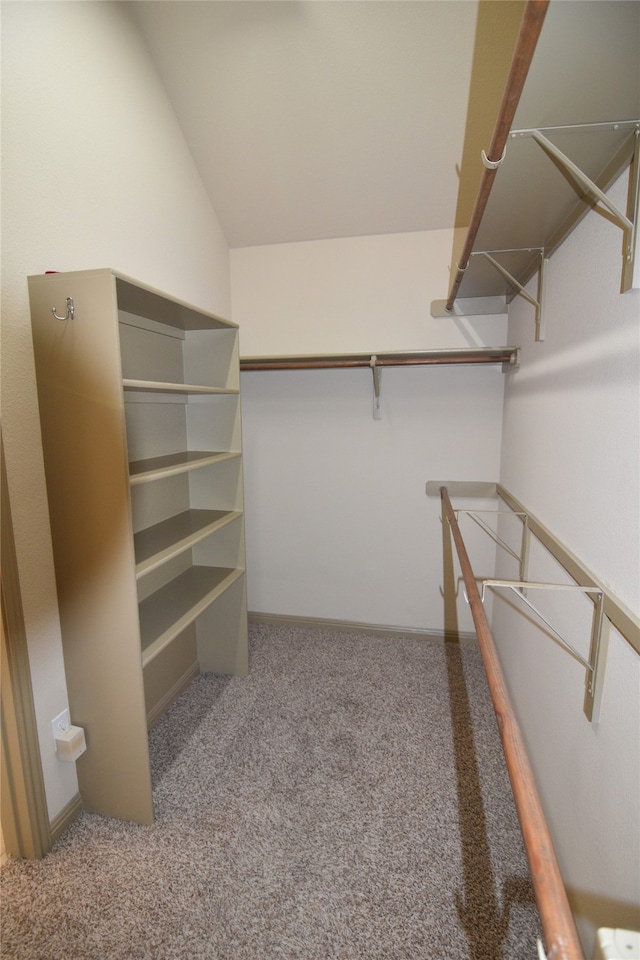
(411, 358)
(530, 27)
(560, 934)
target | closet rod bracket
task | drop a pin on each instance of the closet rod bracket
(491, 164)
(376, 370)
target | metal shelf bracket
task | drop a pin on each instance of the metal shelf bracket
(539, 303)
(611, 611)
(594, 665)
(600, 625)
(523, 556)
(628, 224)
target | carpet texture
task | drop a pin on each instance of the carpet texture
(348, 799)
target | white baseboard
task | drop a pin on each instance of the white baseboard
(353, 626)
(66, 817)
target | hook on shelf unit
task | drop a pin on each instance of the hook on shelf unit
(70, 310)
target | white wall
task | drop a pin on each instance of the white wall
(349, 295)
(96, 173)
(338, 524)
(571, 454)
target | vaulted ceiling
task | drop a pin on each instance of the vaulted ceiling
(313, 119)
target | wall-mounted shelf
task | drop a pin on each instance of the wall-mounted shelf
(576, 123)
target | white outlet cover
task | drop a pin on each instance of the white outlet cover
(60, 723)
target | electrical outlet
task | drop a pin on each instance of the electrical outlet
(60, 724)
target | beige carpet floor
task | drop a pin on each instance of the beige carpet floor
(348, 799)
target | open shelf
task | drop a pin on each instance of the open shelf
(167, 612)
(164, 541)
(157, 351)
(567, 128)
(144, 471)
(158, 386)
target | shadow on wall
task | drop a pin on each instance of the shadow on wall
(602, 911)
(483, 914)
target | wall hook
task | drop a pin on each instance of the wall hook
(70, 310)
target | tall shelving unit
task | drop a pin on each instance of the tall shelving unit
(139, 397)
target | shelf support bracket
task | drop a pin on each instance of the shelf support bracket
(539, 303)
(594, 665)
(523, 556)
(631, 268)
(628, 224)
(600, 627)
(475, 516)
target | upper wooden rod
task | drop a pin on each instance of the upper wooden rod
(530, 27)
(412, 358)
(560, 934)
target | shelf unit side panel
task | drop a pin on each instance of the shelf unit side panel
(155, 430)
(79, 382)
(170, 672)
(152, 503)
(222, 633)
(148, 355)
(218, 486)
(163, 575)
(213, 423)
(225, 548)
(211, 357)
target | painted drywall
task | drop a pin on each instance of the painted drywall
(571, 454)
(338, 524)
(351, 294)
(96, 173)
